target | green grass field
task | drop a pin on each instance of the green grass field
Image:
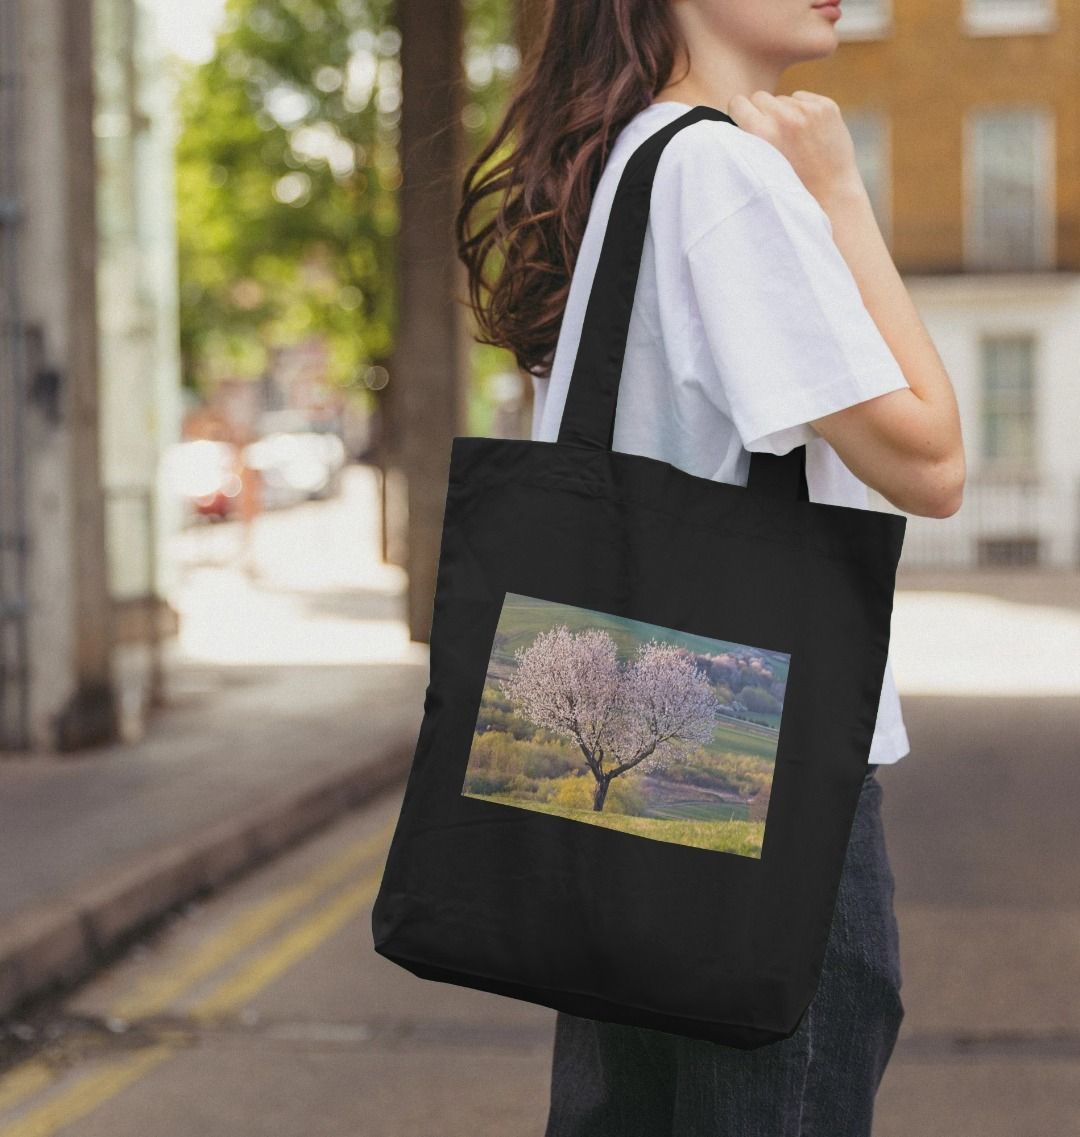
(741, 837)
(699, 811)
(743, 738)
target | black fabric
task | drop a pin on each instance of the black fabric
(591, 920)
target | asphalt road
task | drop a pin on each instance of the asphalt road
(265, 1011)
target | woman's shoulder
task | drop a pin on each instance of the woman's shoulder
(710, 169)
(713, 148)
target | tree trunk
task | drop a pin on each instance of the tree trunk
(431, 348)
(600, 794)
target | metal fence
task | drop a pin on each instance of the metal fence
(1028, 523)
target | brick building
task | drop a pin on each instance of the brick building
(966, 120)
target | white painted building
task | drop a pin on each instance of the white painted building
(1011, 344)
(963, 114)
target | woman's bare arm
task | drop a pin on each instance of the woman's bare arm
(906, 444)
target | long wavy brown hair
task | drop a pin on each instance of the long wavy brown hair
(526, 196)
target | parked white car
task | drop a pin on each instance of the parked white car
(296, 465)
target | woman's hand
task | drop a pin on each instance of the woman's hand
(907, 443)
(810, 132)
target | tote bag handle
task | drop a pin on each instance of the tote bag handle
(589, 414)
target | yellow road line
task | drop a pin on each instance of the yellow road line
(288, 950)
(154, 993)
(24, 1081)
(86, 1095)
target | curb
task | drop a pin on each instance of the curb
(51, 947)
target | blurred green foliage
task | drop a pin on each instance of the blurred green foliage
(287, 171)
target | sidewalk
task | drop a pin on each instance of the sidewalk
(291, 698)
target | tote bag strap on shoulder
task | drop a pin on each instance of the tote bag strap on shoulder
(589, 414)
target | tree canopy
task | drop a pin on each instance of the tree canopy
(287, 171)
(654, 710)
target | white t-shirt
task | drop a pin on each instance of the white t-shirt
(747, 323)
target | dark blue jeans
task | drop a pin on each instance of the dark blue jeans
(609, 1080)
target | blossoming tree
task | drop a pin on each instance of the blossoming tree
(654, 709)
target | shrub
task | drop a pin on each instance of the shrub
(576, 792)
(493, 750)
(482, 783)
(573, 792)
(521, 786)
(758, 699)
(625, 796)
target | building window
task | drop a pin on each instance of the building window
(870, 133)
(864, 19)
(1008, 17)
(1008, 403)
(1010, 189)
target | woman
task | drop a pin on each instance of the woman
(768, 314)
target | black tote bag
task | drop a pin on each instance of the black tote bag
(651, 702)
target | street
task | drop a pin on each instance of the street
(265, 1011)
(263, 265)
(261, 1008)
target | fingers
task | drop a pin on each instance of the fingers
(747, 113)
(813, 99)
(807, 128)
(799, 100)
(784, 120)
(765, 113)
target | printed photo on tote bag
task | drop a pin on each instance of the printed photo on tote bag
(611, 721)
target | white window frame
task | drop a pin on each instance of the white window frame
(884, 202)
(1009, 17)
(1006, 466)
(872, 22)
(975, 257)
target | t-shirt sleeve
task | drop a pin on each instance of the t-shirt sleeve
(783, 320)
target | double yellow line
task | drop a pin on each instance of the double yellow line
(156, 993)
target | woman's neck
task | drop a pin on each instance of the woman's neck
(717, 74)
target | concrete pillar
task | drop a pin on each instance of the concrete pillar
(70, 684)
